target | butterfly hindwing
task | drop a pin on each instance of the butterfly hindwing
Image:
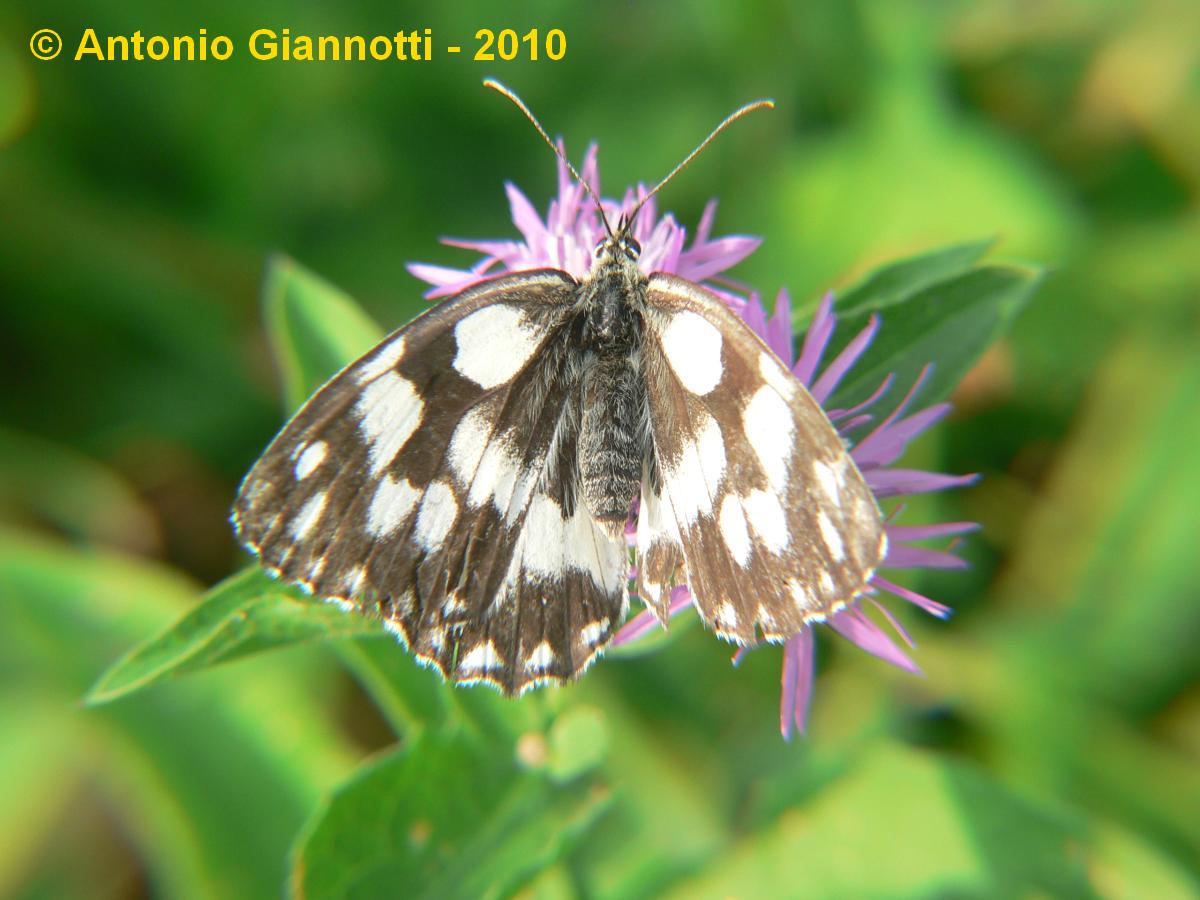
(755, 492)
(430, 481)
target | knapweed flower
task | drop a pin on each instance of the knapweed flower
(568, 236)
(566, 239)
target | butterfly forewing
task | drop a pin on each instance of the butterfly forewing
(433, 482)
(755, 492)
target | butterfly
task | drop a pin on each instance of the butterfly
(470, 479)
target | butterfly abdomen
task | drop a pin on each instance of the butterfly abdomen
(611, 443)
(611, 439)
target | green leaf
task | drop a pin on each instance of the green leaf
(1123, 864)
(168, 771)
(895, 282)
(314, 328)
(948, 322)
(903, 823)
(247, 613)
(444, 817)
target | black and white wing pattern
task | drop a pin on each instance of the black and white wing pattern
(751, 498)
(434, 483)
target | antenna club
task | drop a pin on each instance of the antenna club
(765, 103)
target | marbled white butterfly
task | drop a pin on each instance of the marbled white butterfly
(469, 480)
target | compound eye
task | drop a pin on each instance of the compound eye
(632, 248)
(599, 251)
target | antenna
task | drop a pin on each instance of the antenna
(627, 222)
(520, 104)
(729, 120)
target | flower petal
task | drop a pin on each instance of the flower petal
(836, 415)
(778, 331)
(704, 226)
(885, 445)
(796, 683)
(525, 217)
(930, 606)
(841, 364)
(703, 262)
(905, 556)
(853, 625)
(754, 315)
(890, 482)
(924, 532)
(816, 340)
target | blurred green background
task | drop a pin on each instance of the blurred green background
(1050, 750)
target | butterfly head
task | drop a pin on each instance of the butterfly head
(620, 245)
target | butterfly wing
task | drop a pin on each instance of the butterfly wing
(752, 499)
(432, 483)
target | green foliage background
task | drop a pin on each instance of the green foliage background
(1050, 749)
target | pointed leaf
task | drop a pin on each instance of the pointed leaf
(948, 323)
(247, 613)
(314, 328)
(897, 281)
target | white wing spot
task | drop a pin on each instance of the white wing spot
(310, 458)
(864, 511)
(826, 583)
(802, 597)
(390, 412)
(693, 348)
(385, 358)
(494, 477)
(551, 544)
(727, 615)
(655, 523)
(587, 548)
(767, 421)
(733, 529)
(519, 495)
(696, 477)
(543, 537)
(470, 440)
(404, 604)
(355, 579)
(767, 519)
(829, 534)
(593, 631)
(774, 374)
(310, 514)
(436, 516)
(494, 344)
(396, 630)
(541, 658)
(828, 480)
(391, 506)
(711, 447)
(482, 658)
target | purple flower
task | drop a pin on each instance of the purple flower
(566, 239)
